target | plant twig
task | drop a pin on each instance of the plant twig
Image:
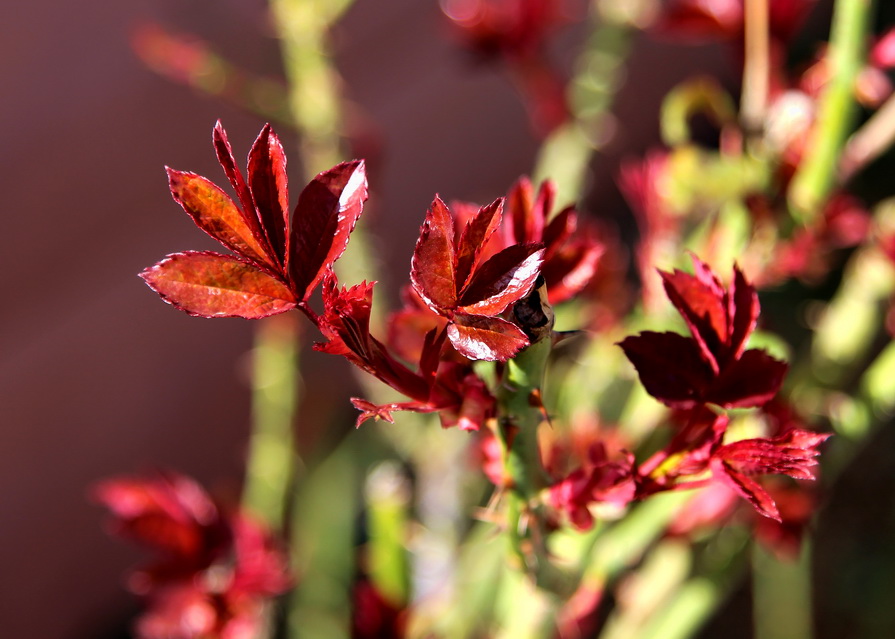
(816, 177)
(754, 100)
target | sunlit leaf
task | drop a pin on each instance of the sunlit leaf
(215, 213)
(237, 181)
(432, 266)
(214, 285)
(485, 338)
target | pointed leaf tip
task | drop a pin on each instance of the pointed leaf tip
(432, 266)
(327, 211)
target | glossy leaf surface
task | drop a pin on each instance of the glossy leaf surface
(215, 213)
(503, 280)
(432, 265)
(485, 338)
(327, 211)
(213, 285)
(267, 182)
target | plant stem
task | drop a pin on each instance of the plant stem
(519, 415)
(781, 595)
(314, 100)
(754, 100)
(816, 176)
(566, 153)
(271, 455)
(870, 141)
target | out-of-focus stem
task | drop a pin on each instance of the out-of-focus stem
(754, 100)
(565, 154)
(781, 595)
(388, 494)
(314, 100)
(816, 177)
(274, 395)
(869, 142)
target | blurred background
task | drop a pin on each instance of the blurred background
(98, 378)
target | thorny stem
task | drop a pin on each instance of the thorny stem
(519, 416)
(816, 176)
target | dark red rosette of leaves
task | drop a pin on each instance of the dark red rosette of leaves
(572, 248)
(711, 366)
(216, 571)
(168, 513)
(504, 27)
(278, 262)
(450, 276)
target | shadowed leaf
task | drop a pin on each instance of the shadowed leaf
(670, 367)
(504, 279)
(327, 211)
(476, 234)
(267, 182)
(752, 380)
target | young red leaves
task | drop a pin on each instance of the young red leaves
(215, 572)
(712, 366)
(277, 263)
(448, 273)
(793, 453)
(572, 249)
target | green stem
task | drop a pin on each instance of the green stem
(274, 396)
(519, 416)
(781, 595)
(565, 155)
(314, 99)
(817, 175)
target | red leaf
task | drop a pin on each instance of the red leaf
(752, 380)
(432, 267)
(234, 175)
(327, 210)
(267, 181)
(559, 230)
(568, 270)
(701, 301)
(476, 233)
(215, 213)
(168, 512)
(520, 201)
(744, 312)
(213, 285)
(485, 338)
(748, 488)
(504, 279)
(670, 367)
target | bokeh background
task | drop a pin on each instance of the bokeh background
(98, 378)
